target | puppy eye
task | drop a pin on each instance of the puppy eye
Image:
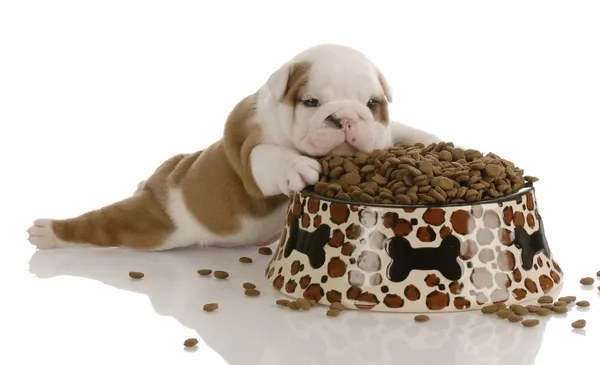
(371, 103)
(310, 103)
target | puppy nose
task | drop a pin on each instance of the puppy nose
(347, 122)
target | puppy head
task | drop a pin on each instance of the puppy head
(327, 99)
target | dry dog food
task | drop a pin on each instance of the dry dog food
(436, 174)
(519, 309)
(282, 302)
(560, 309)
(265, 251)
(560, 303)
(489, 309)
(583, 303)
(337, 306)
(579, 323)
(598, 273)
(190, 342)
(204, 272)
(252, 292)
(333, 313)
(136, 275)
(421, 318)
(530, 322)
(569, 299)
(504, 313)
(542, 312)
(587, 281)
(248, 286)
(546, 299)
(515, 318)
(210, 307)
(303, 304)
(293, 306)
(245, 260)
(219, 274)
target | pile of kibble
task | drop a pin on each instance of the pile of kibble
(436, 174)
(514, 314)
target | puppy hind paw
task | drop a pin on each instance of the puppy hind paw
(41, 234)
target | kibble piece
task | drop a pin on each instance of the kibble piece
(560, 309)
(210, 307)
(544, 312)
(303, 304)
(252, 292)
(515, 318)
(219, 274)
(293, 306)
(504, 313)
(560, 303)
(136, 275)
(546, 299)
(579, 323)
(519, 309)
(282, 302)
(598, 273)
(548, 306)
(421, 318)
(190, 342)
(204, 272)
(587, 281)
(245, 260)
(248, 286)
(312, 302)
(569, 299)
(533, 308)
(489, 309)
(583, 303)
(333, 313)
(265, 251)
(337, 306)
(530, 322)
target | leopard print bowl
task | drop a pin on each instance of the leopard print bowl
(414, 258)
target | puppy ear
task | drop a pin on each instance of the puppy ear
(285, 83)
(387, 89)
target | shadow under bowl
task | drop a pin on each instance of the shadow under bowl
(417, 258)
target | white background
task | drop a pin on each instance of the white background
(95, 94)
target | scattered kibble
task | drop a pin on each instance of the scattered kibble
(560, 309)
(293, 306)
(337, 306)
(569, 299)
(579, 323)
(219, 274)
(530, 322)
(583, 303)
(519, 309)
(282, 302)
(265, 251)
(533, 308)
(312, 302)
(515, 318)
(421, 318)
(204, 272)
(190, 342)
(333, 313)
(210, 307)
(489, 309)
(245, 260)
(587, 281)
(560, 303)
(598, 273)
(546, 299)
(303, 304)
(252, 292)
(504, 313)
(136, 275)
(248, 286)
(544, 312)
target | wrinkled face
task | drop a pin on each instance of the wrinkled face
(334, 101)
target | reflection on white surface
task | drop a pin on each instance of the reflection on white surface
(254, 331)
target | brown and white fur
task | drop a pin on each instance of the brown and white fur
(327, 99)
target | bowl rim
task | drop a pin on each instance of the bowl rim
(524, 190)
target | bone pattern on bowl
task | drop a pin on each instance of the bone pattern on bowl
(414, 259)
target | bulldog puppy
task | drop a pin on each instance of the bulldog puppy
(327, 99)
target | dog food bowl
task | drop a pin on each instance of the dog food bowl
(418, 258)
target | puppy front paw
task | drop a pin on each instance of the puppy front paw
(300, 172)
